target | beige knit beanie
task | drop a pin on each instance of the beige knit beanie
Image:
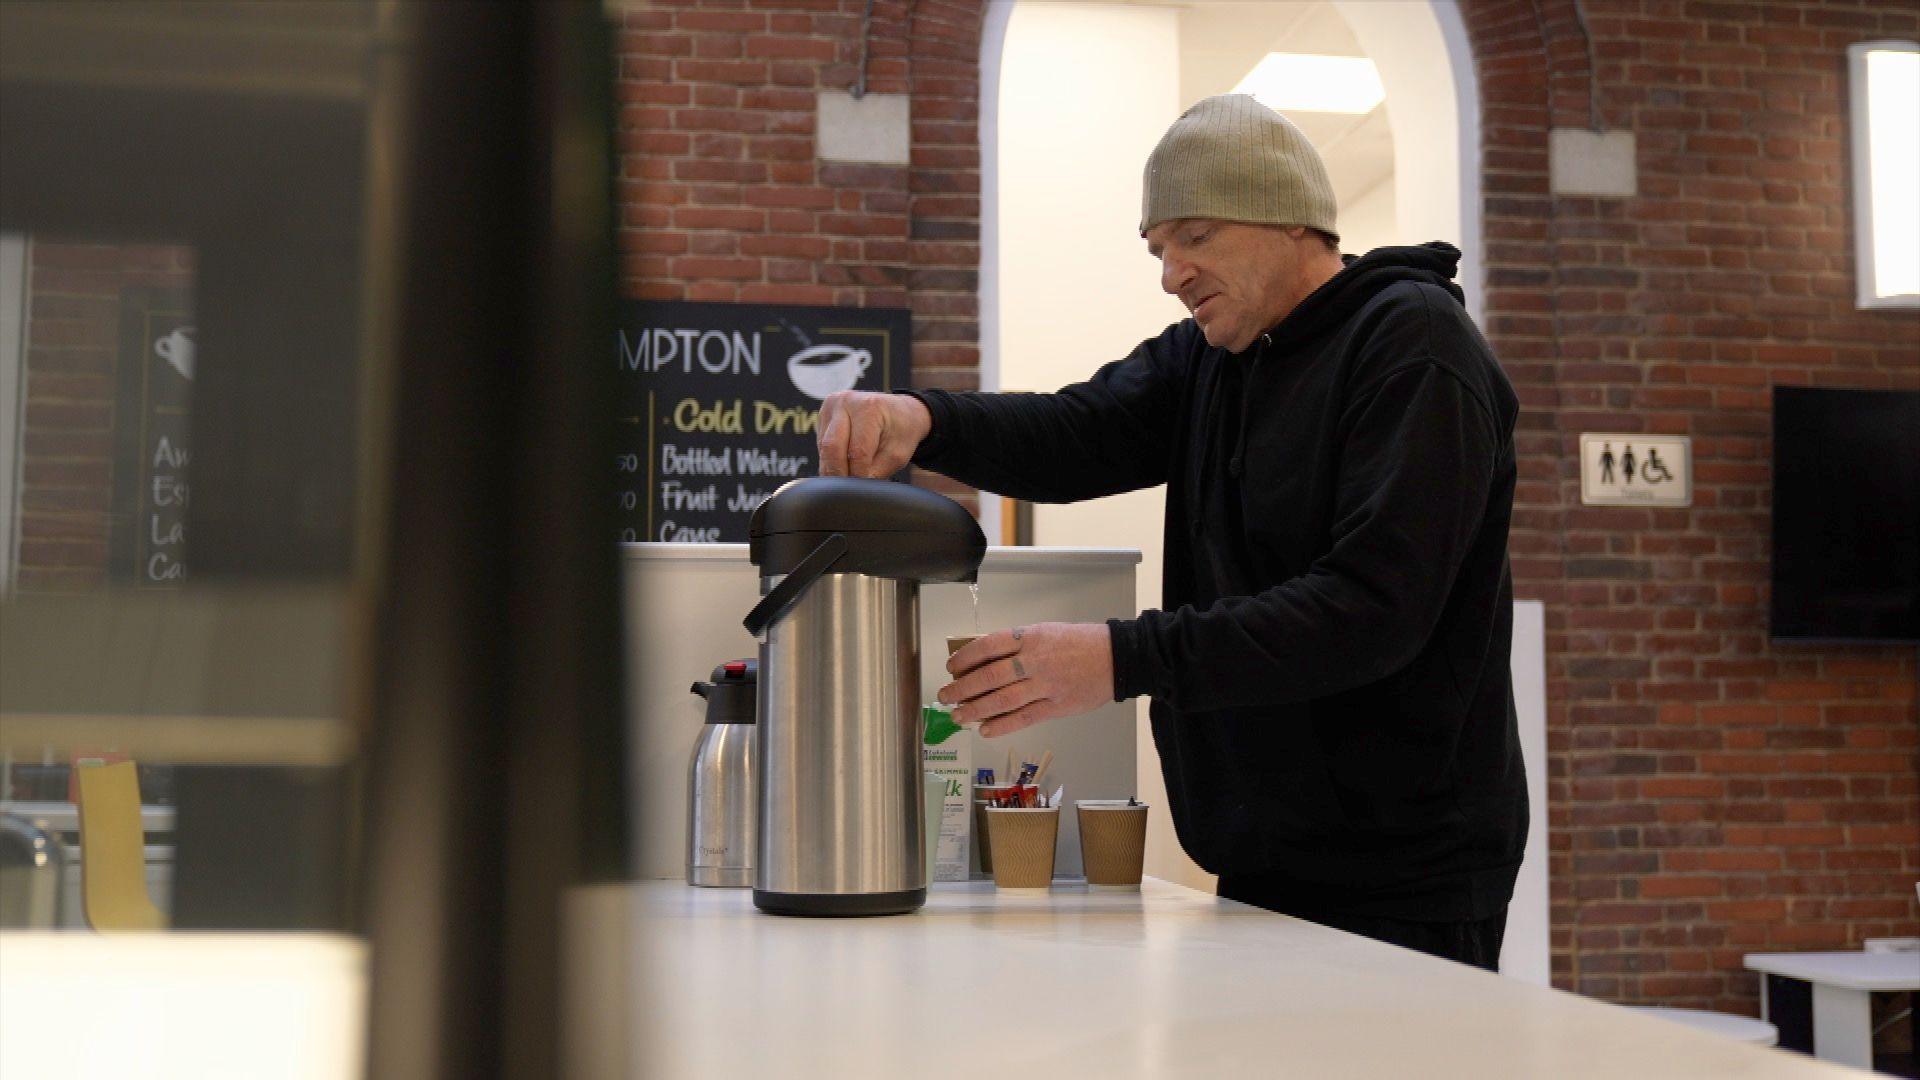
(1234, 159)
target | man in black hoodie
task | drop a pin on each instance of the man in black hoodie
(1329, 672)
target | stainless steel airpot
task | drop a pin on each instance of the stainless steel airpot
(841, 561)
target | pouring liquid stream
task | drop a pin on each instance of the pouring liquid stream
(974, 588)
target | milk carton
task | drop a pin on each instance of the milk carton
(952, 760)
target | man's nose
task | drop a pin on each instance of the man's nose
(1175, 274)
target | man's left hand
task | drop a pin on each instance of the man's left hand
(1012, 679)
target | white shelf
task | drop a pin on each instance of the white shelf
(1852, 970)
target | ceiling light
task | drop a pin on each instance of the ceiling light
(1885, 77)
(1295, 82)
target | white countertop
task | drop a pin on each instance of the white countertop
(1162, 983)
(1853, 970)
(182, 1006)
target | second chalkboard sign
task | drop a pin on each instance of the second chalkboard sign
(719, 403)
(152, 437)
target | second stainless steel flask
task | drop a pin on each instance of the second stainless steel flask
(841, 790)
(722, 780)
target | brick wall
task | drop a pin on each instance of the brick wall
(724, 199)
(73, 311)
(1712, 793)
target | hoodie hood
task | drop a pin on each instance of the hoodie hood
(1365, 277)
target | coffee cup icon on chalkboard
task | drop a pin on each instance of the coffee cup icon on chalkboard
(827, 369)
(177, 349)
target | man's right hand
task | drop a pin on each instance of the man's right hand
(870, 435)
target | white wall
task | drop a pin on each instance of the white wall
(1091, 89)
(1527, 951)
(1084, 92)
(993, 40)
(1372, 221)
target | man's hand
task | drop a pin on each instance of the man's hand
(1012, 679)
(870, 435)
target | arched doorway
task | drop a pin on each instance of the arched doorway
(1073, 97)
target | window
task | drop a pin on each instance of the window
(1885, 80)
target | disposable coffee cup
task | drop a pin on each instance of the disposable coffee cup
(1113, 841)
(1023, 840)
(958, 642)
(982, 795)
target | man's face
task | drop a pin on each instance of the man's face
(1235, 279)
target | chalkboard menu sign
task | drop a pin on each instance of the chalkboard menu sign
(719, 403)
(154, 391)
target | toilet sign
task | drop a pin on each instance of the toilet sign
(1635, 469)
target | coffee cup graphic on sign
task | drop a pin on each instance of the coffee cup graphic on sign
(177, 349)
(827, 369)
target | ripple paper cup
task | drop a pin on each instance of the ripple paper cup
(1023, 841)
(1113, 841)
(983, 795)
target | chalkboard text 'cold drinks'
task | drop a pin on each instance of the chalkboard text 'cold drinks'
(719, 404)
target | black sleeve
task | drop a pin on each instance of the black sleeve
(1110, 434)
(1418, 458)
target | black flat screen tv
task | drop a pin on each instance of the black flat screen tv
(1846, 514)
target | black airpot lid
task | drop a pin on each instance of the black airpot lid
(730, 696)
(892, 530)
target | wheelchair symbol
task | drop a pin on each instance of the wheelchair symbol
(1654, 471)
